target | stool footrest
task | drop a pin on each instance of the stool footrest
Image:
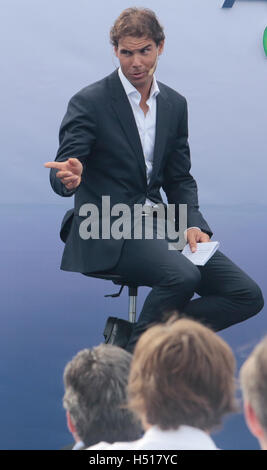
(117, 331)
(115, 295)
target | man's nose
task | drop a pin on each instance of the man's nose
(136, 60)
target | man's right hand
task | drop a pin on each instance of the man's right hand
(69, 173)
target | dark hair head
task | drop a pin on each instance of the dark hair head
(137, 22)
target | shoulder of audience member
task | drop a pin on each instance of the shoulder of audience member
(108, 446)
(100, 446)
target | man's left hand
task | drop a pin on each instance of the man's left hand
(195, 236)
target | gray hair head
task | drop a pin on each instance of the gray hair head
(95, 395)
(253, 378)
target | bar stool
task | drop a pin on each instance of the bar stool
(117, 330)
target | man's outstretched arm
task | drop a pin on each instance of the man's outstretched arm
(77, 136)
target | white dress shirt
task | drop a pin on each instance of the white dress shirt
(146, 124)
(183, 438)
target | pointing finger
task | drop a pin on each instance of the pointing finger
(57, 165)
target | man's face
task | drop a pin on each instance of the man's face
(137, 56)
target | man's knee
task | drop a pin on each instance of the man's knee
(254, 300)
(257, 299)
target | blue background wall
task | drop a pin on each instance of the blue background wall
(49, 51)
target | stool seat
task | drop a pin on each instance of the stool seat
(115, 278)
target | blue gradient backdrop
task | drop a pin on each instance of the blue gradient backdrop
(49, 51)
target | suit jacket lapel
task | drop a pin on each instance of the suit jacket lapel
(162, 128)
(124, 112)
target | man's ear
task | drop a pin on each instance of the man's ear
(116, 51)
(161, 47)
(252, 421)
(70, 423)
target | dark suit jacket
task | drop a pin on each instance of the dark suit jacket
(100, 130)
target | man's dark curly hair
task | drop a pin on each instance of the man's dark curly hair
(137, 22)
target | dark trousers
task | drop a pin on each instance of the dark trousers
(227, 294)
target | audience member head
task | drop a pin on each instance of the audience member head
(253, 377)
(95, 396)
(182, 373)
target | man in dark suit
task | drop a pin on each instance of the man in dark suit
(126, 137)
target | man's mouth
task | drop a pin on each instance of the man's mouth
(138, 74)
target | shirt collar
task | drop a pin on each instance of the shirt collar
(188, 437)
(129, 88)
